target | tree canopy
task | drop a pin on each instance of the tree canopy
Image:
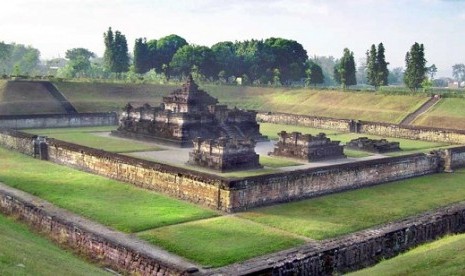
(415, 63)
(458, 71)
(116, 58)
(18, 59)
(344, 71)
(377, 71)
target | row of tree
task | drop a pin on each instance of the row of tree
(17, 59)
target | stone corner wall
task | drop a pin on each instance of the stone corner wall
(108, 247)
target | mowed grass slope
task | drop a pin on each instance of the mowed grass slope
(100, 97)
(25, 253)
(442, 257)
(88, 97)
(447, 113)
(342, 213)
(115, 204)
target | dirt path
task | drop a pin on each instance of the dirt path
(425, 107)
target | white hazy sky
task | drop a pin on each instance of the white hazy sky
(323, 27)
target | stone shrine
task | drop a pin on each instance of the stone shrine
(224, 154)
(373, 145)
(185, 114)
(307, 147)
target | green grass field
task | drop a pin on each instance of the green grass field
(443, 257)
(448, 113)
(25, 253)
(91, 97)
(116, 204)
(93, 137)
(187, 230)
(221, 241)
(407, 146)
(342, 213)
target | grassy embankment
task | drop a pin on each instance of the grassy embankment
(448, 113)
(88, 97)
(443, 257)
(25, 253)
(245, 235)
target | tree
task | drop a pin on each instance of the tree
(116, 58)
(415, 71)
(141, 56)
(396, 76)
(289, 57)
(166, 48)
(226, 60)
(377, 71)
(79, 61)
(458, 71)
(344, 71)
(191, 58)
(432, 70)
(314, 74)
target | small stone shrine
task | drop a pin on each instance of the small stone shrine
(372, 145)
(224, 154)
(307, 147)
(185, 114)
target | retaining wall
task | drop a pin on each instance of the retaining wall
(112, 248)
(452, 136)
(58, 120)
(357, 250)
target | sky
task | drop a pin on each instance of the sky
(323, 27)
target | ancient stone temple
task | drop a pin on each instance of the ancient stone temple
(185, 114)
(307, 147)
(224, 154)
(372, 145)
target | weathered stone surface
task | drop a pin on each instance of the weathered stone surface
(307, 147)
(224, 154)
(357, 250)
(373, 145)
(115, 249)
(237, 194)
(186, 114)
(452, 136)
(58, 120)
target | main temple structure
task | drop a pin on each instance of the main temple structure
(185, 114)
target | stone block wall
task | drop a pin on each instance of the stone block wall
(357, 250)
(109, 247)
(342, 125)
(288, 186)
(58, 120)
(237, 194)
(452, 136)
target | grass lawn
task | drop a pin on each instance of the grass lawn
(116, 204)
(275, 162)
(25, 253)
(448, 113)
(220, 241)
(442, 257)
(343, 213)
(88, 136)
(407, 146)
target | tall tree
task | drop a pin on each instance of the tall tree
(415, 71)
(344, 71)
(458, 71)
(79, 62)
(314, 74)
(383, 71)
(193, 59)
(116, 58)
(166, 48)
(377, 71)
(141, 56)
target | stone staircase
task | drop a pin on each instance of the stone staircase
(422, 109)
